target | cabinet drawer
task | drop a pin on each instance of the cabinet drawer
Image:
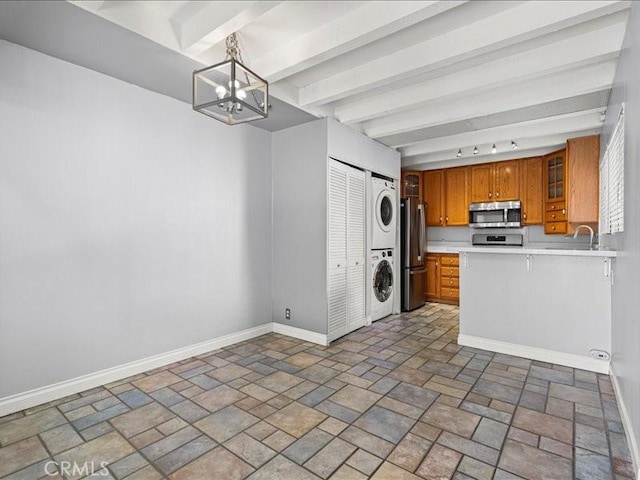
(449, 271)
(449, 260)
(555, 227)
(449, 282)
(556, 206)
(450, 293)
(555, 216)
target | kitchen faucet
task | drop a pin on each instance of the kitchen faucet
(575, 234)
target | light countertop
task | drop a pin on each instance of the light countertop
(538, 249)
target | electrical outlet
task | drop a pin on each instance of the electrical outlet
(599, 354)
(287, 313)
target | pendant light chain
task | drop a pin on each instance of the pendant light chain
(233, 48)
(233, 52)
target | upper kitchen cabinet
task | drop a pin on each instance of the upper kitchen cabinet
(433, 197)
(531, 196)
(411, 184)
(583, 179)
(446, 194)
(571, 186)
(495, 182)
(456, 196)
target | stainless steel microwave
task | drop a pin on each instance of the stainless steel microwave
(495, 215)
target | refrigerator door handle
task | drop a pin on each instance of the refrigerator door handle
(417, 272)
(421, 232)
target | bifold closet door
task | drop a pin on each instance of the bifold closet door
(356, 234)
(346, 249)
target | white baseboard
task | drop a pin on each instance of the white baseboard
(632, 439)
(38, 396)
(541, 354)
(301, 334)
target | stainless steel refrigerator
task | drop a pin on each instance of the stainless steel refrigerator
(412, 252)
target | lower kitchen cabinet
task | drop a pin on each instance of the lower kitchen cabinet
(443, 278)
(432, 289)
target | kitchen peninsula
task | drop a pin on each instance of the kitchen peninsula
(548, 304)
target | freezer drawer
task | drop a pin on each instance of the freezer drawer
(413, 288)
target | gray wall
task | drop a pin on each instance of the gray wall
(626, 302)
(129, 224)
(299, 156)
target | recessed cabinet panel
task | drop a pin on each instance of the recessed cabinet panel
(433, 182)
(531, 195)
(433, 278)
(507, 181)
(482, 183)
(456, 196)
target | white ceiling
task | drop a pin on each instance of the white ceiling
(426, 77)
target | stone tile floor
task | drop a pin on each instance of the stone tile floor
(396, 400)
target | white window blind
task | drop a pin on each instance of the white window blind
(612, 181)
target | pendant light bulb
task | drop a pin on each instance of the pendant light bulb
(494, 149)
(459, 154)
(475, 150)
(514, 145)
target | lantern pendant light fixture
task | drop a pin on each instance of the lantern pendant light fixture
(229, 91)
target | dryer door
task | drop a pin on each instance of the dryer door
(383, 281)
(384, 210)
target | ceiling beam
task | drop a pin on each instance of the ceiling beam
(134, 16)
(525, 147)
(364, 25)
(518, 24)
(573, 122)
(576, 51)
(517, 95)
(216, 21)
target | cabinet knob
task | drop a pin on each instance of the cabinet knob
(553, 215)
(489, 194)
(497, 194)
(524, 215)
(553, 227)
(553, 207)
(564, 210)
(440, 219)
(446, 219)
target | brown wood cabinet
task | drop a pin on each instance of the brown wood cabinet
(531, 178)
(583, 180)
(433, 193)
(432, 289)
(411, 184)
(443, 278)
(456, 196)
(482, 183)
(571, 178)
(495, 182)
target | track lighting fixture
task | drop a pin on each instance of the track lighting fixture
(459, 154)
(475, 150)
(494, 149)
(514, 145)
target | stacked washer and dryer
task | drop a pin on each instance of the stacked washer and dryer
(383, 242)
